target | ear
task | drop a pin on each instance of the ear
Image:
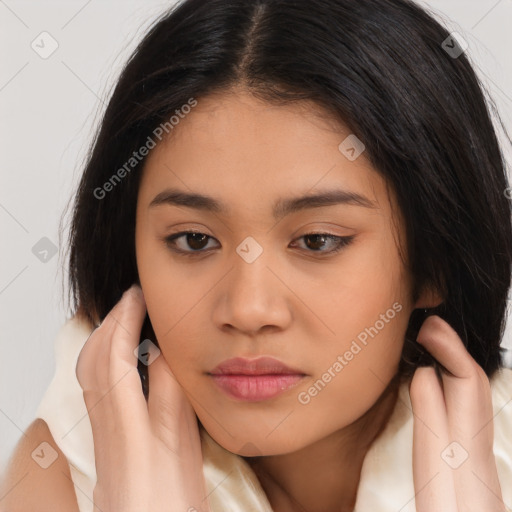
(429, 298)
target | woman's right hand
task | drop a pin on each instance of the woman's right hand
(148, 454)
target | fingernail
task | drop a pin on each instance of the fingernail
(135, 288)
(139, 290)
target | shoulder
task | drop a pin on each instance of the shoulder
(38, 475)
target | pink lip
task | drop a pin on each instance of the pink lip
(255, 379)
(260, 366)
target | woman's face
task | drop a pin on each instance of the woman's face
(255, 285)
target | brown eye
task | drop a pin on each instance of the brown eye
(316, 242)
(188, 242)
(196, 241)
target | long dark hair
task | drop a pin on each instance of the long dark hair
(381, 67)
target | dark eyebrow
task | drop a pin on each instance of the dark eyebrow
(281, 208)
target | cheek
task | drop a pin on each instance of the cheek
(174, 294)
(370, 337)
(351, 376)
(357, 290)
(366, 305)
(168, 291)
(178, 335)
(165, 294)
(174, 320)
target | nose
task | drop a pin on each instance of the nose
(253, 297)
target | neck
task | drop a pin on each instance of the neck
(324, 476)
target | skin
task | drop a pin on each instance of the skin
(147, 455)
(287, 303)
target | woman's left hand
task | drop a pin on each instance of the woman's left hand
(453, 461)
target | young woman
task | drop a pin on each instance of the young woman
(294, 224)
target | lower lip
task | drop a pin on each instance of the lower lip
(254, 388)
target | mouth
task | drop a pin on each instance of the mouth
(255, 388)
(254, 380)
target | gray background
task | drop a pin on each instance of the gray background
(48, 108)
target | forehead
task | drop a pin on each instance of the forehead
(245, 151)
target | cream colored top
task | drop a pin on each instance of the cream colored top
(386, 483)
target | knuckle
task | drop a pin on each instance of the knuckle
(92, 368)
(480, 380)
(422, 381)
(434, 327)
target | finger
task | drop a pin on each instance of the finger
(168, 407)
(466, 387)
(174, 422)
(127, 318)
(433, 480)
(93, 364)
(468, 399)
(443, 342)
(125, 389)
(107, 366)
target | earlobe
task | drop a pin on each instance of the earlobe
(429, 298)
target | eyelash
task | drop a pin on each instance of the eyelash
(342, 242)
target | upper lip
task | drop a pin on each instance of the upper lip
(260, 366)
